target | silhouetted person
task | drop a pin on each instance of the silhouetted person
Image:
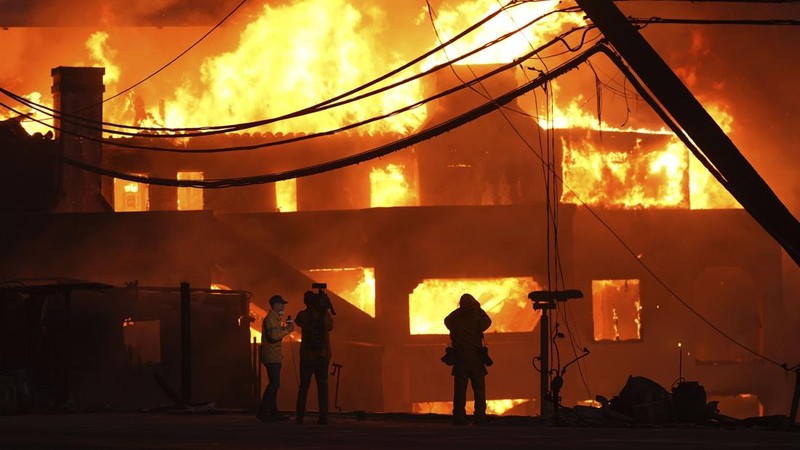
(467, 324)
(272, 334)
(315, 352)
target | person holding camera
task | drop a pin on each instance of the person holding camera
(272, 334)
(467, 324)
(316, 323)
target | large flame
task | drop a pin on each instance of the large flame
(504, 299)
(390, 186)
(291, 57)
(452, 21)
(629, 178)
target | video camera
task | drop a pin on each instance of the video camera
(323, 301)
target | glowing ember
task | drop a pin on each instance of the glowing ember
(390, 187)
(356, 285)
(504, 299)
(616, 310)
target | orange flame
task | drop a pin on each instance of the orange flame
(504, 299)
(286, 195)
(449, 22)
(628, 178)
(616, 309)
(291, 57)
(390, 187)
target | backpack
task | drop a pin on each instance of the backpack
(314, 334)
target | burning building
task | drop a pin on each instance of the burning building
(501, 206)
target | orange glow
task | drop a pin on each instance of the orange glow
(504, 299)
(293, 56)
(258, 314)
(390, 187)
(706, 191)
(30, 125)
(286, 195)
(589, 403)
(356, 285)
(625, 177)
(190, 199)
(453, 20)
(103, 55)
(130, 196)
(496, 407)
(616, 308)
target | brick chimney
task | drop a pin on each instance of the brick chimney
(78, 92)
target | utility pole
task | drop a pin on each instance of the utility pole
(745, 184)
(545, 301)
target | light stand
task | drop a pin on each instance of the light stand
(545, 301)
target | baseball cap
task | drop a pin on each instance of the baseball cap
(276, 299)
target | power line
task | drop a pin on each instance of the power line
(671, 21)
(177, 57)
(708, 1)
(377, 152)
(328, 104)
(305, 137)
(217, 129)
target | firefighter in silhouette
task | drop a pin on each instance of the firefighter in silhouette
(272, 334)
(467, 324)
(316, 322)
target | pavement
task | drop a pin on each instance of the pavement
(240, 430)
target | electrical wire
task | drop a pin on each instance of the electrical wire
(324, 107)
(377, 152)
(299, 138)
(175, 58)
(671, 21)
(216, 129)
(552, 213)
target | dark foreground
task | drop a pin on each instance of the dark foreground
(346, 431)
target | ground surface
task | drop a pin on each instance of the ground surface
(346, 431)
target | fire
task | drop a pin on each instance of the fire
(130, 196)
(286, 195)
(390, 187)
(291, 57)
(450, 22)
(504, 299)
(706, 191)
(29, 124)
(496, 407)
(625, 177)
(356, 285)
(616, 307)
(663, 175)
(190, 199)
(102, 55)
